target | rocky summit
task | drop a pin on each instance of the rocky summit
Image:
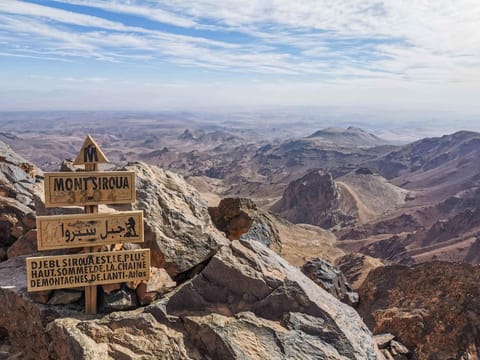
(235, 281)
(246, 303)
(229, 299)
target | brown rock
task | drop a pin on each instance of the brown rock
(30, 221)
(432, 308)
(17, 231)
(25, 245)
(40, 297)
(386, 354)
(108, 288)
(24, 319)
(160, 283)
(63, 297)
(11, 211)
(178, 228)
(313, 199)
(356, 267)
(239, 218)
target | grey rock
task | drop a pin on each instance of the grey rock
(331, 279)
(67, 166)
(18, 176)
(132, 335)
(246, 336)
(383, 340)
(18, 188)
(248, 277)
(178, 228)
(240, 218)
(121, 300)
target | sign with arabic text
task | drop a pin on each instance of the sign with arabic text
(89, 188)
(82, 230)
(68, 271)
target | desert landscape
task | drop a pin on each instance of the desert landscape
(355, 212)
(239, 180)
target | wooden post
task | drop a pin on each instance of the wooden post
(90, 230)
(91, 291)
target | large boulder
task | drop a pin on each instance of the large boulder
(18, 177)
(432, 308)
(240, 218)
(126, 335)
(246, 276)
(246, 336)
(19, 184)
(178, 228)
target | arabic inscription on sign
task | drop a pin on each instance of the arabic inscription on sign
(70, 231)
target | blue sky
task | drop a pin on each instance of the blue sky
(154, 55)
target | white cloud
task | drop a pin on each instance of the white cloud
(391, 44)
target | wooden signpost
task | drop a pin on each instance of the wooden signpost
(90, 230)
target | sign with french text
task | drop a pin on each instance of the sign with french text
(69, 271)
(83, 230)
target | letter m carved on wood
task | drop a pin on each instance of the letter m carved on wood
(90, 154)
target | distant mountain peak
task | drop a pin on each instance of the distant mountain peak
(351, 136)
(186, 135)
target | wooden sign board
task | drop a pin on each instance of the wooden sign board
(90, 153)
(89, 188)
(82, 230)
(68, 271)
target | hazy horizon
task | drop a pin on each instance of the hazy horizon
(284, 122)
